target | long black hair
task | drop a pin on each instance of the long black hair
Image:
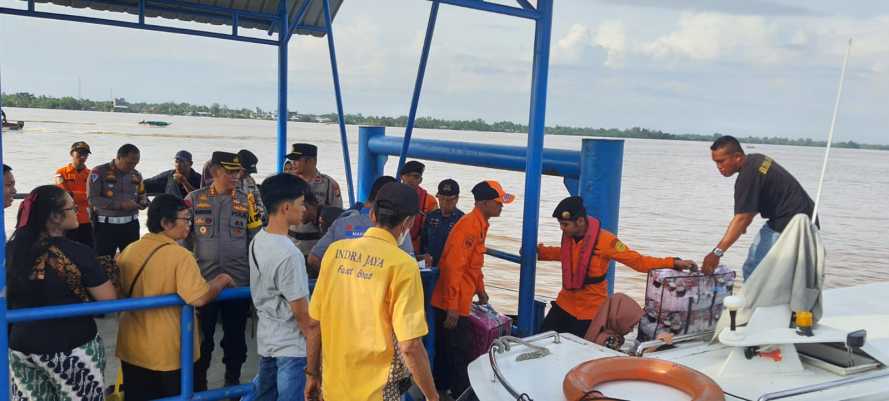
(28, 242)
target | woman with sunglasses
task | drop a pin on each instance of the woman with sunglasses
(148, 340)
(59, 358)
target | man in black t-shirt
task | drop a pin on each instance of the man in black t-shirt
(763, 187)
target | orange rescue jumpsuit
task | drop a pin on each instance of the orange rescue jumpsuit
(461, 265)
(74, 181)
(428, 203)
(584, 303)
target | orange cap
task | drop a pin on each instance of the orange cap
(491, 190)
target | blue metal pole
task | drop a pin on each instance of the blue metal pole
(556, 162)
(418, 86)
(370, 164)
(341, 118)
(600, 176)
(534, 168)
(186, 349)
(4, 331)
(283, 31)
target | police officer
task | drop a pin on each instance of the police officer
(439, 222)
(248, 184)
(225, 219)
(73, 178)
(325, 190)
(352, 224)
(116, 195)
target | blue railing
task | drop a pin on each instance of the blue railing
(186, 335)
(187, 328)
(594, 173)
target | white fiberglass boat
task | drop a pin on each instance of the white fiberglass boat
(764, 360)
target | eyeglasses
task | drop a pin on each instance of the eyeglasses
(188, 220)
(72, 208)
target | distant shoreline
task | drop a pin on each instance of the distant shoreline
(120, 105)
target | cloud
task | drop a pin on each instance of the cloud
(733, 7)
(610, 36)
(570, 48)
(713, 36)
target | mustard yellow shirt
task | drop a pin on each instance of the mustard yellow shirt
(368, 297)
(150, 338)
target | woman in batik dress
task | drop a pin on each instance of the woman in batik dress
(57, 359)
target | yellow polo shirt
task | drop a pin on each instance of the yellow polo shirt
(368, 297)
(150, 338)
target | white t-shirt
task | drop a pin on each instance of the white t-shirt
(277, 277)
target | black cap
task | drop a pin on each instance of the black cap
(570, 208)
(248, 160)
(81, 146)
(183, 155)
(412, 166)
(228, 161)
(448, 187)
(302, 150)
(397, 198)
(377, 185)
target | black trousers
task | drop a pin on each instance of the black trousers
(142, 384)
(82, 234)
(452, 347)
(234, 342)
(111, 238)
(560, 321)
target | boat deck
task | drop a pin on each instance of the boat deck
(215, 377)
(848, 309)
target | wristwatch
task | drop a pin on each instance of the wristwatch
(718, 252)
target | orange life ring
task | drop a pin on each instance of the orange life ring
(584, 378)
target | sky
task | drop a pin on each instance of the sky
(753, 67)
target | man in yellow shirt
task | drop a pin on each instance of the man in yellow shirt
(369, 302)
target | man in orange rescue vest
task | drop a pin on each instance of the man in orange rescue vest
(585, 252)
(461, 280)
(73, 178)
(412, 175)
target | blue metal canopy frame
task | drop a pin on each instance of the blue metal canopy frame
(280, 22)
(542, 18)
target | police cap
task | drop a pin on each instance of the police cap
(228, 161)
(412, 166)
(570, 208)
(448, 187)
(301, 150)
(397, 198)
(248, 160)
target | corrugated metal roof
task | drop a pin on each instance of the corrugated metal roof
(190, 11)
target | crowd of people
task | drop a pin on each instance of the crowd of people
(358, 335)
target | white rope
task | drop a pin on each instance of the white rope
(833, 124)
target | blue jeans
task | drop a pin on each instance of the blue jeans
(281, 379)
(765, 239)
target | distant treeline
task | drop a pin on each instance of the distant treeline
(28, 100)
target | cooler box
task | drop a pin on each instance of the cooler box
(486, 325)
(683, 302)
